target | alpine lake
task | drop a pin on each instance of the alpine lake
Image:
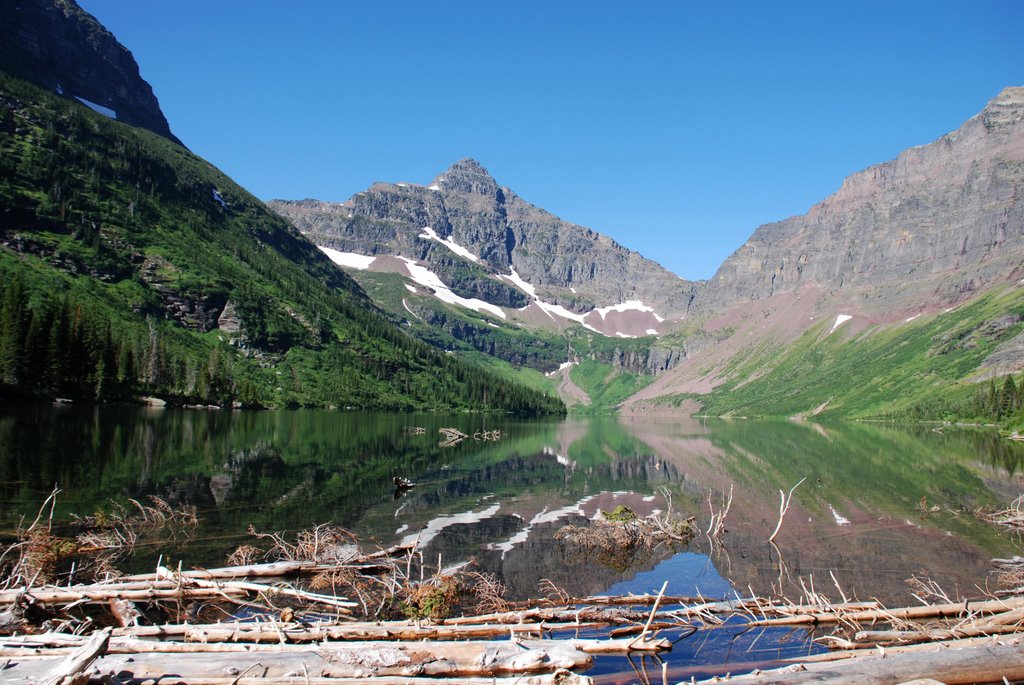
(881, 510)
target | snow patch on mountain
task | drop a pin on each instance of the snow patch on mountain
(840, 320)
(431, 234)
(105, 111)
(429, 279)
(628, 305)
(348, 259)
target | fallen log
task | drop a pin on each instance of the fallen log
(369, 631)
(560, 615)
(339, 660)
(260, 588)
(73, 670)
(559, 677)
(102, 596)
(886, 638)
(58, 643)
(960, 610)
(988, 663)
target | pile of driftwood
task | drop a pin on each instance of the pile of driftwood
(311, 639)
(282, 633)
(320, 610)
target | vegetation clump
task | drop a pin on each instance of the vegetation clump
(621, 538)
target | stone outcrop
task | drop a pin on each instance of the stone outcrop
(569, 265)
(61, 47)
(939, 222)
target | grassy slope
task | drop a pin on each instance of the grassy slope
(606, 385)
(880, 371)
(102, 202)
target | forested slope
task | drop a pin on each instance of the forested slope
(132, 267)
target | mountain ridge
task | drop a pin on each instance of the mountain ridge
(62, 48)
(907, 219)
(569, 265)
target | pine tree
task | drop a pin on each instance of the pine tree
(1008, 397)
(13, 324)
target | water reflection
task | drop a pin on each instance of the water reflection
(856, 526)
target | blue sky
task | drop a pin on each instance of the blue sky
(676, 128)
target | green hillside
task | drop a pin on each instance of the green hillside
(920, 369)
(132, 267)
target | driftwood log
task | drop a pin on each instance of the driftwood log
(439, 659)
(947, 663)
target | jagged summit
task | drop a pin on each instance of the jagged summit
(1005, 109)
(467, 176)
(61, 47)
(468, 165)
(568, 265)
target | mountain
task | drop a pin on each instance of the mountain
(61, 47)
(525, 253)
(939, 222)
(923, 254)
(882, 300)
(132, 267)
(474, 268)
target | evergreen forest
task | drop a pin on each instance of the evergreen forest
(133, 268)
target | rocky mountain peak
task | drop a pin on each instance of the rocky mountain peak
(932, 226)
(61, 47)
(1006, 109)
(468, 165)
(467, 176)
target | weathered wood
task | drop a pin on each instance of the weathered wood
(926, 611)
(73, 670)
(125, 612)
(854, 653)
(59, 596)
(370, 631)
(560, 615)
(58, 643)
(448, 659)
(561, 677)
(885, 638)
(261, 588)
(988, 663)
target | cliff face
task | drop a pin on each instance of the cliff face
(937, 223)
(61, 47)
(567, 264)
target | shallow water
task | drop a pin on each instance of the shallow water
(856, 527)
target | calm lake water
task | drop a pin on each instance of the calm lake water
(857, 517)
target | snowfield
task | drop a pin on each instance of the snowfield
(348, 259)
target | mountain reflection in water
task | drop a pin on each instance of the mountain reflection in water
(858, 516)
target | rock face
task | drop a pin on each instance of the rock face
(61, 47)
(933, 225)
(567, 264)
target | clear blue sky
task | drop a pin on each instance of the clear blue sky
(676, 128)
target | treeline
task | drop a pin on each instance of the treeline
(998, 401)
(123, 249)
(62, 344)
